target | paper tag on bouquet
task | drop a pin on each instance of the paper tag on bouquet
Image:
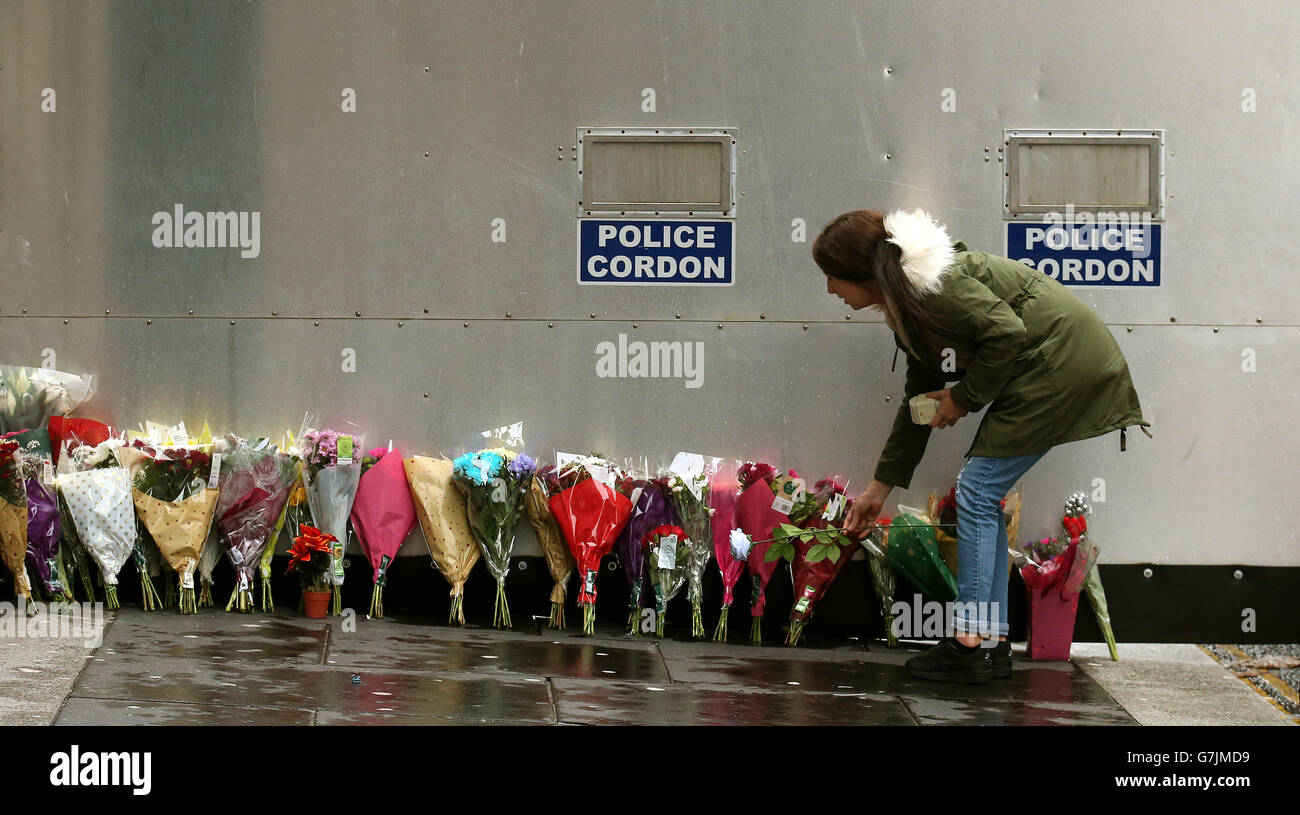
(833, 507)
(47, 472)
(589, 584)
(179, 436)
(510, 436)
(187, 580)
(345, 450)
(336, 549)
(237, 556)
(782, 504)
(788, 487)
(668, 552)
(805, 599)
(215, 474)
(243, 582)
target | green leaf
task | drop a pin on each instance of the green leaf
(789, 529)
(807, 537)
(824, 536)
(816, 554)
(833, 552)
(788, 552)
(773, 554)
(842, 540)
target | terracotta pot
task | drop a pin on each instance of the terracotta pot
(316, 604)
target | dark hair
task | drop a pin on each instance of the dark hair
(853, 247)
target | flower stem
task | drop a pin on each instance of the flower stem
(187, 602)
(796, 631)
(338, 600)
(234, 595)
(149, 595)
(589, 619)
(377, 602)
(110, 597)
(501, 610)
(891, 640)
(268, 602)
(720, 633)
(634, 622)
(756, 631)
(697, 621)
(557, 615)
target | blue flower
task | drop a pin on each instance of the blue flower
(478, 468)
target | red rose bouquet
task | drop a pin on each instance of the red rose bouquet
(590, 514)
(761, 507)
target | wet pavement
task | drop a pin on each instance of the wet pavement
(234, 669)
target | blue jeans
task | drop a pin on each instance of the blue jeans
(982, 543)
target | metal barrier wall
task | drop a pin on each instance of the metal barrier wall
(429, 235)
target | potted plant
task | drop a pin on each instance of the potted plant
(310, 558)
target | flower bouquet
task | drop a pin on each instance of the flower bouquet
(331, 473)
(292, 516)
(30, 396)
(914, 554)
(44, 527)
(883, 579)
(689, 493)
(667, 555)
(382, 515)
(254, 483)
(96, 492)
(591, 513)
(722, 502)
(817, 547)
(70, 447)
(13, 516)
(650, 510)
(175, 500)
(208, 560)
(310, 557)
(444, 524)
(494, 483)
(75, 433)
(558, 560)
(762, 506)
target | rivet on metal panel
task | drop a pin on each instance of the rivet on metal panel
(886, 398)
(1147, 572)
(762, 316)
(316, 323)
(1173, 319)
(986, 149)
(148, 322)
(805, 326)
(106, 311)
(1130, 329)
(191, 312)
(399, 323)
(426, 153)
(24, 311)
(679, 315)
(465, 324)
(357, 313)
(889, 71)
(275, 314)
(426, 69)
(1237, 575)
(719, 326)
(999, 149)
(507, 315)
(999, 159)
(559, 158)
(232, 322)
(522, 565)
(426, 394)
(1259, 319)
(593, 316)
(848, 316)
(65, 322)
(426, 311)
(1216, 329)
(634, 325)
(550, 325)
(986, 159)
(889, 157)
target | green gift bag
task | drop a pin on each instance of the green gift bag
(914, 554)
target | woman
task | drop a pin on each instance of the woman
(1015, 340)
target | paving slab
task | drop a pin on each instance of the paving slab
(37, 673)
(1175, 684)
(103, 712)
(431, 648)
(579, 702)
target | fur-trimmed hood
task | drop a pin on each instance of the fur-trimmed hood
(926, 248)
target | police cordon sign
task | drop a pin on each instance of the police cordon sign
(1091, 253)
(656, 252)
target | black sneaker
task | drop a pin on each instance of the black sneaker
(949, 661)
(1001, 659)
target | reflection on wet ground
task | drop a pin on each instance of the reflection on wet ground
(236, 669)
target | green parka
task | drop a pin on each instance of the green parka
(1041, 358)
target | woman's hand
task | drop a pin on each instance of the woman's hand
(948, 411)
(867, 506)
